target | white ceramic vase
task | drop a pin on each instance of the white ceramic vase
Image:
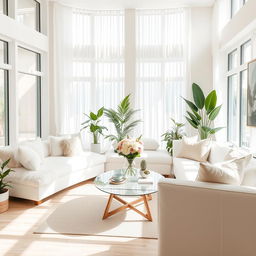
(4, 201)
(96, 148)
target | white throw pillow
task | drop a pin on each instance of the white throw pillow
(150, 144)
(35, 145)
(56, 148)
(72, 146)
(230, 172)
(9, 153)
(197, 151)
(218, 152)
(28, 158)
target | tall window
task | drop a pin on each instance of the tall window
(28, 13)
(4, 137)
(29, 94)
(160, 68)
(93, 63)
(4, 7)
(238, 131)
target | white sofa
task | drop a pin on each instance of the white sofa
(56, 173)
(200, 218)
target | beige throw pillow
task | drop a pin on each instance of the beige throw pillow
(197, 151)
(72, 146)
(230, 172)
(56, 148)
(9, 153)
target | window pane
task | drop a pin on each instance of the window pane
(3, 7)
(3, 110)
(235, 6)
(233, 110)
(28, 61)
(3, 52)
(28, 13)
(29, 110)
(246, 52)
(232, 60)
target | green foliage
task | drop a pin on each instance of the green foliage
(93, 123)
(123, 120)
(3, 174)
(176, 133)
(203, 112)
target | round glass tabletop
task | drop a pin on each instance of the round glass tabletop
(131, 187)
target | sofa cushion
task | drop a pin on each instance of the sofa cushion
(185, 169)
(198, 151)
(29, 158)
(250, 174)
(156, 157)
(150, 144)
(36, 145)
(9, 153)
(54, 167)
(72, 146)
(218, 152)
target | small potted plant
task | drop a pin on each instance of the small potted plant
(143, 169)
(93, 123)
(4, 192)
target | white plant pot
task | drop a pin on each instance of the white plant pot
(4, 201)
(96, 148)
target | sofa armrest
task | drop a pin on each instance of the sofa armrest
(199, 219)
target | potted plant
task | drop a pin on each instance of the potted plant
(176, 133)
(4, 192)
(203, 112)
(93, 123)
(123, 120)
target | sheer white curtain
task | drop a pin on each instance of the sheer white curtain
(160, 68)
(90, 63)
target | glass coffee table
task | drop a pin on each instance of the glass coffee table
(130, 187)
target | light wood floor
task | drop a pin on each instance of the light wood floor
(17, 238)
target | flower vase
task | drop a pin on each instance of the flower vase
(130, 171)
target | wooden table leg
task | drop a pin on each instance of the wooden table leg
(144, 198)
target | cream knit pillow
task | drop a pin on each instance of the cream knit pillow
(197, 151)
(72, 146)
(230, 172)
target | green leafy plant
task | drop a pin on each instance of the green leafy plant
(203, 112)
(175, 133)
(3, 174)
(93, 123)
(123, 120)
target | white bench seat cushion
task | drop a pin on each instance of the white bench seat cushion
(185, 169)
(54, 167)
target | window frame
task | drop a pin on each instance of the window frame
(38, 75)
(238, 70)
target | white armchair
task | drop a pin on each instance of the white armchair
(206, 219)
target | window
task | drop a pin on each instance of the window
(4, 120)
(236, 5)
(28, 13)
(4, 7)
(238, 131)
(160, 69)
(29, 94)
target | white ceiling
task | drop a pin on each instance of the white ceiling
(147, 4)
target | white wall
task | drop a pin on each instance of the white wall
(201, 54)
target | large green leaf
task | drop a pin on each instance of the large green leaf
(100, 112)
(214, 130)
(93, 116)
(192, 123)
(194, 118)
(211, 101)
(213, 114)
(198, 96)
(191, 105)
